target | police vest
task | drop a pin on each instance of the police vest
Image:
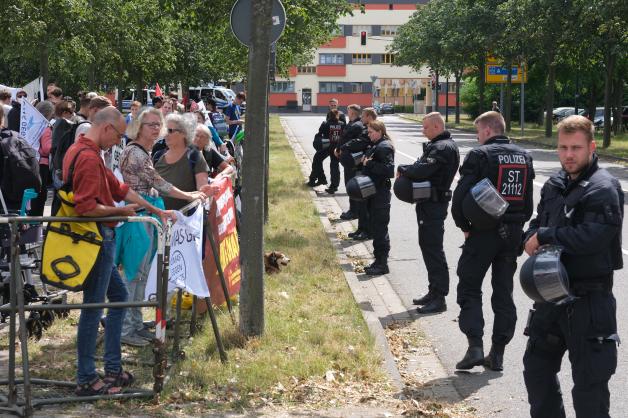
(509, 168)
(335, 132)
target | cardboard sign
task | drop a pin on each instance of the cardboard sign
(222, 222)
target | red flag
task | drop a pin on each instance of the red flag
(158, 92)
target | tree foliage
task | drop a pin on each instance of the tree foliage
(573, 47)
(100, 44)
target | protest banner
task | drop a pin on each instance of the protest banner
(32, 124)
(222, 223)
(186, 270)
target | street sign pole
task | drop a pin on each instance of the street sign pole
(257, 24)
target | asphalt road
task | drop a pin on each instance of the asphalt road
(493, 394)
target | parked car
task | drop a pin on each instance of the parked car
(387, 108)
(567, 112)
(598, 118)
(377, 108)
(223, 96)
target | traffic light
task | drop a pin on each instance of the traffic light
(363, 37)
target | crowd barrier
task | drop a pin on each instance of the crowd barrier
(18, 398)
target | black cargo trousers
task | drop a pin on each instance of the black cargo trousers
(587, 328)
(484, 249)
(431, 220)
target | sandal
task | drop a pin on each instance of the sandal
(122, 379)
(91, 389)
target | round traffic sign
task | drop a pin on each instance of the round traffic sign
(241, 21)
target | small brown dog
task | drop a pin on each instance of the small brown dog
(273, 262)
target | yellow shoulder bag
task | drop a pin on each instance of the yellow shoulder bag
(70, 249)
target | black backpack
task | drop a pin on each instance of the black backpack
(20, 167)
(63, 133)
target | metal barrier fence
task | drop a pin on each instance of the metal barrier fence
(11, 402)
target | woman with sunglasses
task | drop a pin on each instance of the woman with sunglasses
(138, 172)
(181, 164)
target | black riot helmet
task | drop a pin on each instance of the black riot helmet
(544, 278)
(360, 188)
(483, 206)
(410, 191)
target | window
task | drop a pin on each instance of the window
(361, 59)
(388, 58)
(310, 69)
(356, 87)
(282, 87)
(331, 59)
(389, 30)
(356, 30)
(330, 87)
(340, 31)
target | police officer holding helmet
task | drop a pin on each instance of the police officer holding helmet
(438, 165)
(581, 210)
(491, 240)
(379, 164)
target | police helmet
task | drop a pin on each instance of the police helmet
(544, 278)
(360, 187)
(403, 189)
(483, 206)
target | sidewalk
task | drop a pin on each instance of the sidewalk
(416, 370)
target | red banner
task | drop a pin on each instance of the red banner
(222, 221)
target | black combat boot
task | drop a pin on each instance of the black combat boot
(495, 358)
(473, 357)
(377, 268)
(425, 299)
(436, 305)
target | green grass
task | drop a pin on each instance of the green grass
(312, 322)
(536, 134)
(313, 325)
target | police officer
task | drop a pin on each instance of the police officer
(353, 130)
(497, 245)
(438, 165)
(581, 209)
(333, 105)
(361, 144)
(379, 165)
(330, 129)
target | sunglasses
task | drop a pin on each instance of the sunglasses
(171, 130)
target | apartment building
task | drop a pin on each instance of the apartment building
(355, 66)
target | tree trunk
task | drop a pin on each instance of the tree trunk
(447, 99)
(508, 100)
(481, 83)
(436, 92)
(458, 74)
(618, 95)
(252, 288)
(592, 102)
(549, 96)
(43, 65)
(608, 84)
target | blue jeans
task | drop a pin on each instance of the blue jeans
(104, 280)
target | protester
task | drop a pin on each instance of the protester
(181, 165)
(139, 174)
(217, 164)
(233, 113)
(13, 117)
(46, 108)
(166, 108)
(216, 139)
(5, 100)
(95, 189)
(158, 102)
(63, 110)
(96, 104)
(55, 95)
(135, 108)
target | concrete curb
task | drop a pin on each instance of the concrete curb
(379, 303)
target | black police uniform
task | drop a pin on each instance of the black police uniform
(381, 168)
(584, 217)
(357, 145)
(331, 130)
(509, 168)
(438, 164)
(353, 130)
